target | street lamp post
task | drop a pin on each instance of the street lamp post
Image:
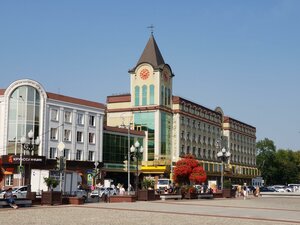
(31, 147)
(136, 151)
(223, 155)
(96, 163)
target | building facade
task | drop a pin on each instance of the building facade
(26, 106)
(177, 126)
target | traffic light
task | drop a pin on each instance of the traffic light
(57, 166)
(61, 163)
(125, 165)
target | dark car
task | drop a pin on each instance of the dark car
(266, 189)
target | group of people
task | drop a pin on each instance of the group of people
(244, 191)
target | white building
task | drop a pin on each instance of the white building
(54, 118)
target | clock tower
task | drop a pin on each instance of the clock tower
(151, 100)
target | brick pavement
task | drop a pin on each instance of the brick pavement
(218, 211)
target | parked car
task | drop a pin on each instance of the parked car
(266, 189)
(18, 192)
(98, 192)
(81, 194)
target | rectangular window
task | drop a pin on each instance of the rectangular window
(80, 119)
(92, 121)
(54, 114)
(78, 155)
(79, 136)
(68, 117)
(9, 180)
(53, 134)
(67, 136)
(91, 156)
(182, 134)
(52, 153)
(67, 154)
(91, 138)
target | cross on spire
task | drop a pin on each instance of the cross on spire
(151, 27)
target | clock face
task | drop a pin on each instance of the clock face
(144, 74)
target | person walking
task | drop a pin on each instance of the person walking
(245, 192)
(10, 198)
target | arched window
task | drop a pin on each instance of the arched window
(151, 94)
(144, 95)
(162, 95)
(24, 115)
(170, 96)
(137, 96)
(166, 95)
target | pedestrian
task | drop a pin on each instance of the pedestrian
(245, 193)
(257, 191)
(122, 190)
(10, 198)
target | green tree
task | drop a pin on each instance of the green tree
(265, 159)
(277, 167)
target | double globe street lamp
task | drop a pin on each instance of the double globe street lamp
(30, 147)
(136, 151)
(223, 155)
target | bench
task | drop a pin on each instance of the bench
(19, 202)
(170, 196)
(205, 196)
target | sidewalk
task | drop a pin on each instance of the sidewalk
(271, 211)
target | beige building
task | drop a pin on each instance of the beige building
(175, 126)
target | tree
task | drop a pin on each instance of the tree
(277, 167)
(1, 171)
(265, 159)
(189, 170)
(51, 182)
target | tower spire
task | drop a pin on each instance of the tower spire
(151, 27)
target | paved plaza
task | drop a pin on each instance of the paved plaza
(182, 212)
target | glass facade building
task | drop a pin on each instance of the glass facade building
(24, 115)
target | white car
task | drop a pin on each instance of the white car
(98, 192)
(18, 192)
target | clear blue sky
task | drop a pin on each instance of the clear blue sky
(240, 55)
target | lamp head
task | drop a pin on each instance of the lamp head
(223, 150)
(132, 149)
(141, 149)
(137, 144)
(228, 154)
(30, 134)
(219, 154)
(23, 140)
(37, 141)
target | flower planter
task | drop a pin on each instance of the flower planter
(226, 193)
(146, 195)
(189, 195)
(122, 198)
(76, 201)
(51, 198)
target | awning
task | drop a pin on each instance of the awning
(9, 171)
(154, 169)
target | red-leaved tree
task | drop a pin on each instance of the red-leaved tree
(1, 171)
(189, 170)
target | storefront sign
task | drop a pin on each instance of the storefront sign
(15, 159)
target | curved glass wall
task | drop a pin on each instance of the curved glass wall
(23, 116)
